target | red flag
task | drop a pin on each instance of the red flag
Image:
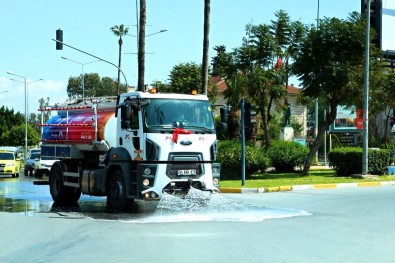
(279, 63)
(179, 131)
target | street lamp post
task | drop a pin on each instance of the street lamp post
(27, 92)
(25, 83)
(83, 78)
(160, 31)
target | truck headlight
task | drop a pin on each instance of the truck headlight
(9, 164)
(146, 182)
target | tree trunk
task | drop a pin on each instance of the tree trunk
(141, 50)
(233, 125)
(119, 62)
(205, 45)
(317, 142)
(265, 128)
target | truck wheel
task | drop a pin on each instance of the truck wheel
(116, 195)
(56, 186)
(73, 194)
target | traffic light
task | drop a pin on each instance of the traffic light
(249, 114)
(59, 39)
(376, 7)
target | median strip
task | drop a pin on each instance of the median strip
(303, 187)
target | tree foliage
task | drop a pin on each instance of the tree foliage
(185, 77)
(330, 67)
(8, 119)
(16, 136)
(94, 86)
(256, 71)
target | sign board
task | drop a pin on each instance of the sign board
(348, 119)
(302, 141)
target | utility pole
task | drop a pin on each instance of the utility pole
(141, 47)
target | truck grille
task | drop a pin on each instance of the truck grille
(185, 166)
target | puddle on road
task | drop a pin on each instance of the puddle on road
(198, 206)
(25, 198)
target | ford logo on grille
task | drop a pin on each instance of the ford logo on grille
(186, 142)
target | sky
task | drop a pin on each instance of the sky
(28, 27)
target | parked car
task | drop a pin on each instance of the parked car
(30, 163)
(43, 166)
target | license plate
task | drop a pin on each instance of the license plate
(186, 172)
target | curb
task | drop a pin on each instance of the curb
(302, 187)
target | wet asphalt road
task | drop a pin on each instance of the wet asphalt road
(331, 225)
(21, 196)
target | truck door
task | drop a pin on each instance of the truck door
(131, 134)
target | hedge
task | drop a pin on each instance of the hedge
(348, 160)
(229, 155)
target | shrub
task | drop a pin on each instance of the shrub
(229, 155)
(286, 155)
(347, 161)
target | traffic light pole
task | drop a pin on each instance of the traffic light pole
(57, 41)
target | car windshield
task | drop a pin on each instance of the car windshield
(167, 113)
(34, 156)
(6, 156)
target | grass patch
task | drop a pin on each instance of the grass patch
(285, 179)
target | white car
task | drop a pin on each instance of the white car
(43, 166)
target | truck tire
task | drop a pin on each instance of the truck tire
(60, 193)
(56, 186)
(73, 194)
(117, 195)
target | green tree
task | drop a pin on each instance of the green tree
(119, 31)
(35, 118)
(162, 87)
(94, 86)
(8, 119)
(255, 69)
(185, 77)
(330, 67)
(224, 65)
(382, 83)
(16, 136)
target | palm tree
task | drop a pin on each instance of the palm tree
(119, 31)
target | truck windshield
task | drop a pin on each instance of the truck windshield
(172, 113)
